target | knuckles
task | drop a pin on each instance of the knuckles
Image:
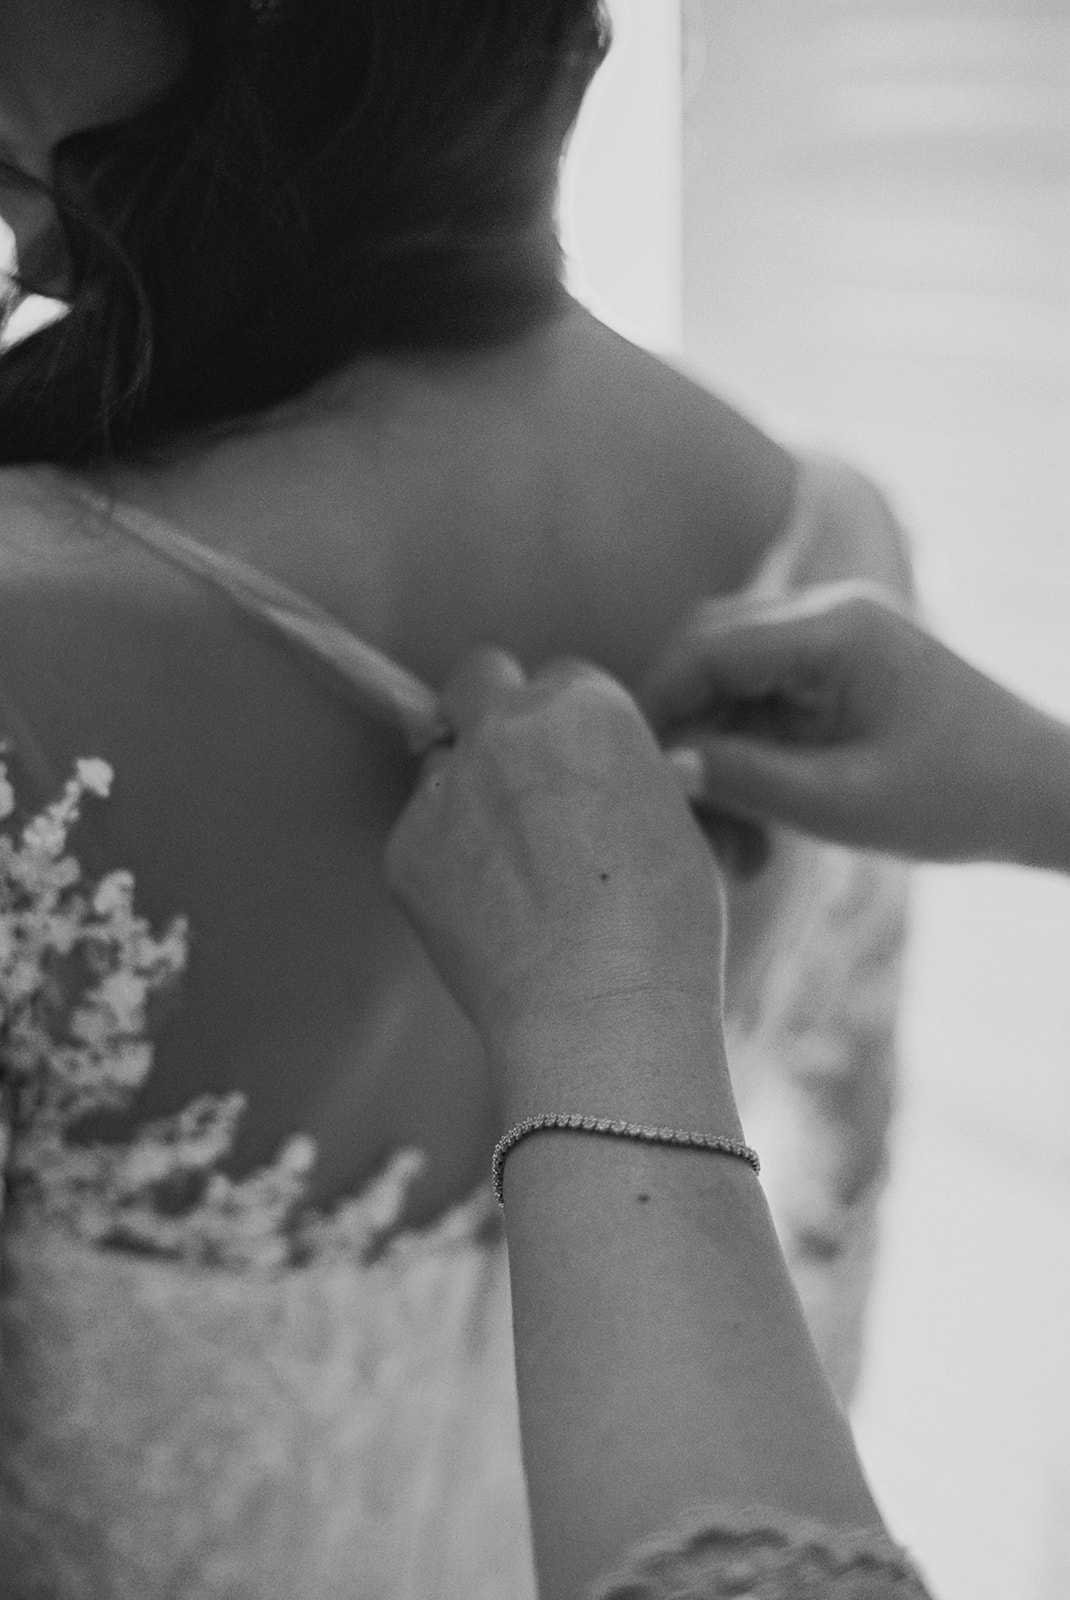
(567, 709)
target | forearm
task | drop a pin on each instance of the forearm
(1033, 796)
(662, 1357)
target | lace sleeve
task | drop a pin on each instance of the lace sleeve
(711, 1554)
(842, 526)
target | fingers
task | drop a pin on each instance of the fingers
(739, 649)
(757, 779)
(720, 659)
(486, 679)
(490, 680)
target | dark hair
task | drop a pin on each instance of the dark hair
(336, 178)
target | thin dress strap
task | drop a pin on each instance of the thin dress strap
(372, 680)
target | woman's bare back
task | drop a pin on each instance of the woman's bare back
(570, 496)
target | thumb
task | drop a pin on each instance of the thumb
(801, 786)
(486, 678)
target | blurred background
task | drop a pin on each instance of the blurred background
(852, 218)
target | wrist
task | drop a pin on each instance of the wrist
(654, 1055)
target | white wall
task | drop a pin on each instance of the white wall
(877, 261)
(621, 207)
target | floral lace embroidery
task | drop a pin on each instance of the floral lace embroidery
(80, 975)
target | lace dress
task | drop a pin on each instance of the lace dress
(211, 1391)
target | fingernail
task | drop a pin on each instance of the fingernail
(690, 769)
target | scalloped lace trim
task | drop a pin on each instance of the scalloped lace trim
(711, 1553)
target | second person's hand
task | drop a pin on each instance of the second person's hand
(835, 713)
(549, 860)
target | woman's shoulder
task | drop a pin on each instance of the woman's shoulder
(731, 486)
(36, 516)
(102, 643)
(81, 598)
(69, 586)
(51, 541)
(46, 559)
(708, 486)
